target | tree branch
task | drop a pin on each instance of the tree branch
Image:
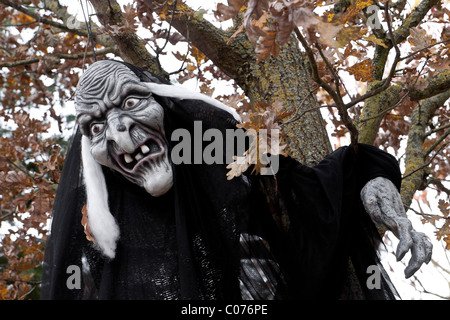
(17, 279)
(384, 84)
(337, 80)
(37, 17)
(437, 142)
(18, 63)
(375, 107)
(400, 35)
(426, 164)
(131, 47)
(343, 113)
(210, 40)
(431, 86)
(415, 156)
(437, 129)
(439, 185)
(68, 19)
(314, 69)
(335, 94)
(429, 292)
(384, 110)
(75, 27)
(414, 19)
(424, 48)
(425, 88)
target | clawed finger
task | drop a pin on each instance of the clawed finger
(405, 244)
(412, 268)
(403, 247)
(420, 252)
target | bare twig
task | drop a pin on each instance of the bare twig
(18, 63)
(437, 142)
(89, 30)
(421, 70)
(43, 20)
(160, 50)
(337, 80)
(437, 130)
(3, 217)
(18, 25)
(429, 292)
(340, 103)
(31, 282)
(185, 56)
(425, 164)
(335, 94)
(439, 185)
(297, 116)
(386, 82)
(424, 48)
(391, 33)
(314, 69)
(382, 113)
(27, 293)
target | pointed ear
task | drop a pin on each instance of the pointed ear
(102, 224)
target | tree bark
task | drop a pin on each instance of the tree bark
(286, 78)
(374, 110)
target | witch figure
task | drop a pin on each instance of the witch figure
(156, 228)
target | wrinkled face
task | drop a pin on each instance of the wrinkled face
(125, 125)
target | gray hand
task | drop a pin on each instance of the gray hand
(383, 203)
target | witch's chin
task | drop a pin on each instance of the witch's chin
(158, 183)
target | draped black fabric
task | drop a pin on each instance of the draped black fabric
(326, 223)
(213, 238)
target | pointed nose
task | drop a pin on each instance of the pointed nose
(119, 132)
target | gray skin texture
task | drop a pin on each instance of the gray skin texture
(125, 125)
(119, 115)
(383, 202)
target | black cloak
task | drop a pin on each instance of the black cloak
(213, 238)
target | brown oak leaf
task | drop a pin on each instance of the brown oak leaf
(362, 71)
(85, 224)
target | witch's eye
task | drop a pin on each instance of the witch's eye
(96, 128)
(130, 103)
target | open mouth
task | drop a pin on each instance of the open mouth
(151, 149)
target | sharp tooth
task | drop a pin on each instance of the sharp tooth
(145, 149)
(128, 158)
(139, 156)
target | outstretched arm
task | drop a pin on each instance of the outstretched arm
(382, 201)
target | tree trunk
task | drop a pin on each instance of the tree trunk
(287, 79)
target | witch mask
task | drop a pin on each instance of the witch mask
(124, 124)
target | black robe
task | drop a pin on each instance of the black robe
(213, 238)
